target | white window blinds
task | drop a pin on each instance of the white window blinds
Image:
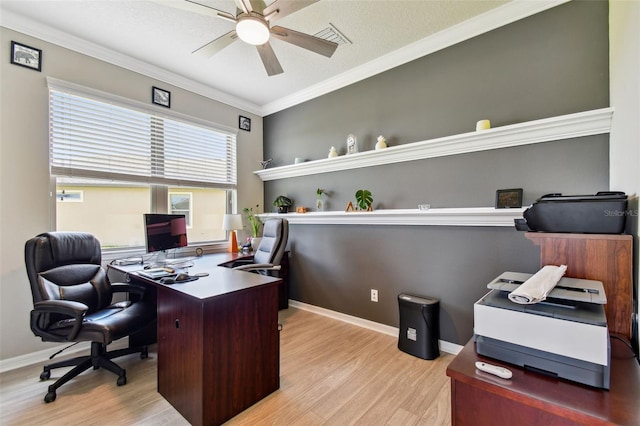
(96, 136)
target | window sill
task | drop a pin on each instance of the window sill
(110, 255)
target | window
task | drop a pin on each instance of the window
(180, 203)
(123, 158)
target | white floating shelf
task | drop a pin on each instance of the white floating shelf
(580, 124)
(474, 216)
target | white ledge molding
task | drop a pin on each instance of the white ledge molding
(473, 216)
(568, 126)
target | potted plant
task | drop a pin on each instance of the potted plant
(282, 203)
(364, 199)
(320, 202)
(255, 223)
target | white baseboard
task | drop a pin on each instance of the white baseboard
(445, 346)
(43, 355)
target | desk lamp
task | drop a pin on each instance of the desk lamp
(232, 222)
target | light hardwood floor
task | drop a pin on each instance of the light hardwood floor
(331, 373)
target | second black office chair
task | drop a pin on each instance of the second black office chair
(72, 302)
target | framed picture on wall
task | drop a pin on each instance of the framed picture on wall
(25, 56)
(161, 97)
(244, 123)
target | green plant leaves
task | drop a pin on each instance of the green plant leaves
(282, 201)
(364, 198)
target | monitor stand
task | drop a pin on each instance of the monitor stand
(160, 260)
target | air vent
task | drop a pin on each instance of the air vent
(331, 33)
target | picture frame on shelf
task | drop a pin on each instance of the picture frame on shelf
(509, 198)
(352, 144)
(26, 56)
(161, 97)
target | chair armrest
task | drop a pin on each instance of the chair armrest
(136, 289)
(74, 310)
(261, 266)
(238, 262)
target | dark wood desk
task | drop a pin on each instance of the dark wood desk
(148, 336)
(530, 398)
(218, 340)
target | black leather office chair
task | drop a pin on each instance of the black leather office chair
(267, 258)
(72, 299)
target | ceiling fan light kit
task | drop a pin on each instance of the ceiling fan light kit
(252, 30)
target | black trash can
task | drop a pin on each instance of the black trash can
(419, 326)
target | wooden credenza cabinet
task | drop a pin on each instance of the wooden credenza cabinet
(601, 257)
(530, 398)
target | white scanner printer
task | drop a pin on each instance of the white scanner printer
(566, 335)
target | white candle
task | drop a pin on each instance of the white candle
(483, 125)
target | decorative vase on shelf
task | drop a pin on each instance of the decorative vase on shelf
(332, 152)
(255, 243)
(319, 204)
(382, 143)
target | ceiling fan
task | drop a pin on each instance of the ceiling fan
(253, 26)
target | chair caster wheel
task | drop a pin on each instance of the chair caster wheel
(122, 380)
(144, 354)
(50, 397)
(46, 375)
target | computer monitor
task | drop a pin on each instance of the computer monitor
(165, 231)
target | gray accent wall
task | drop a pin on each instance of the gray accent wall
(550, 64)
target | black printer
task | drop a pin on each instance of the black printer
(602, 213)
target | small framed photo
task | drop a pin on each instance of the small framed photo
(161, 97)
(509, 198)
(244, 123)
(352, 144)
(26, 56)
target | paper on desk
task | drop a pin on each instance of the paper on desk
(536, 288)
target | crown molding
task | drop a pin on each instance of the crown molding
(29, 27)
(495, 18)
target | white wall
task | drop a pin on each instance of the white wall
(624, 59)
(26, 207)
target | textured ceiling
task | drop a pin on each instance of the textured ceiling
(152, 34)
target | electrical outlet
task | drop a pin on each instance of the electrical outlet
(374, 295)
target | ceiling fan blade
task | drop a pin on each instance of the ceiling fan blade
(284, 8)
(244, 6)
(269, 59)
(195, 7)
(210, 49)
(258, 6)
(306, 41)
